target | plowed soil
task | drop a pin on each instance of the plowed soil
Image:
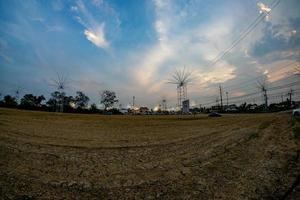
(71, 156)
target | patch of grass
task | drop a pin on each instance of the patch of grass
(296, 131)
(253, 136)
(265, 125)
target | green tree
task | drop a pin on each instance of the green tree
(81, 100)
(108, 98)
(30, 101)
(94, 108)
(57, 100)
(10, 101)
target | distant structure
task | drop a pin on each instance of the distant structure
(262, 85)
(17, 94)
(60, 84)
(133, 101)
(181, 78)
(164, 104)
(186, 106)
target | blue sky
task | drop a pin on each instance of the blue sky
(132, 47)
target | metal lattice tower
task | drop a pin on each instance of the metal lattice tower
(181, 78)
(164, 104)
(262, 85)
(181, 94)
(60, 84)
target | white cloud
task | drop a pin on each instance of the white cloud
(95, 30)
(97, 36)
(176, 47)
(263, 8)
(74, 8)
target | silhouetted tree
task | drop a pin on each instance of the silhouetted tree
(94, 108)
(242, 107)
(69, 103)
(55, 100)
(108, 98)
(9, 101)
(30, 101)
(81, 100)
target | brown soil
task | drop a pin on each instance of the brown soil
(68, 156)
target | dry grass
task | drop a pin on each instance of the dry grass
(56, 156)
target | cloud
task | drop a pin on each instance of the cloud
(57, 5)
(97, 36)
(279, 41)
(95, 27)
(263, 8)
(176, 46)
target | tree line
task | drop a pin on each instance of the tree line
(60, 102)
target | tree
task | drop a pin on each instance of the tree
(108, 98)
(31, 101)
(81, 100)
(9, 101)
(56, 100)
(69, 103)
(242, 107)
(94, 108)
(59, 100)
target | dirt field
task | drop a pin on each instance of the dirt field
(69, 156)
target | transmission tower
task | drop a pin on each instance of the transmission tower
(164, 104)
(263, 88)
(60, 84)
(181, 78)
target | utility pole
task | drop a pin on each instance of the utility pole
(263, 88)
(281, 98)
(17, 94)
(221, 97)
(164, 104)
(291, 92)
(266, 98)
(133, 98)
(227, 98)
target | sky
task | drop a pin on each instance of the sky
(133, 47)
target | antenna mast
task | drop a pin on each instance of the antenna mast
(181, 78)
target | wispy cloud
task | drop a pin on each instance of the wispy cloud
(176, 46)
(94, 29)
(263, 8)
(97, 36)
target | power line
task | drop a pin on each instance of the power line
(255, 78)
(258, 92)
(248, 30)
